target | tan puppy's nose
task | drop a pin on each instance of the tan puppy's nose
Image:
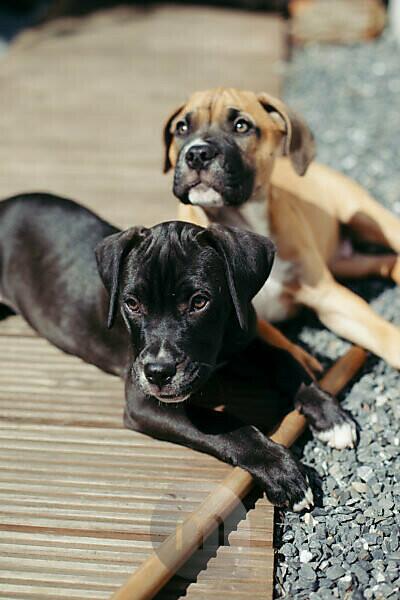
(199, 156)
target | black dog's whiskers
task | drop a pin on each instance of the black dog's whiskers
(205, 364)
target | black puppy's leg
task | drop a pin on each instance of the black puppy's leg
(328, 421)
(223, 436)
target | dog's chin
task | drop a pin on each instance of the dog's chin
(205, 196)
(208, 196)
(171, 399)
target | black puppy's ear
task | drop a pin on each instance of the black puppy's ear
(299, 142)
(110, 254)
(167, 138)
(248, 259)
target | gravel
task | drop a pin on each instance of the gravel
(349, 546)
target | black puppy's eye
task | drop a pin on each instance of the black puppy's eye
(198, 302)
(133, 305)
(242, 125)
(181, 128)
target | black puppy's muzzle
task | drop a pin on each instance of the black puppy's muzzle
(169, 377)
(160, 373)
(200, 156)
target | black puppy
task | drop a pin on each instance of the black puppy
(177, 298)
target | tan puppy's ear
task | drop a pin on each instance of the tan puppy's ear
(299, 142)
(167, 137)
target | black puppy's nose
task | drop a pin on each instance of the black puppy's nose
(199, 156)
(159, 373)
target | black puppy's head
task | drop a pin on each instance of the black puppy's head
(185, 295)
(223, 144)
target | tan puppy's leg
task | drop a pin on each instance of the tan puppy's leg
(373, 223)
(366, 265)
(352, 318)
(273, 336)
(368, 219)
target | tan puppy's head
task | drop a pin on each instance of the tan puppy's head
(223, 144)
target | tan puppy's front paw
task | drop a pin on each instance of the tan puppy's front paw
(307, 360)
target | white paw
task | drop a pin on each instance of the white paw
(306, 503)
(339, 436)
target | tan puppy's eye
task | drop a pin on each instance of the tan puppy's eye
(181, 128)
(242, 125)
(198, 302)
(133, 305)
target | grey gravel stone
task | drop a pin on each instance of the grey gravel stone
(365, 473)
(307, 572)
(361, 575)
(288, 550)
(359, 487)
(335, 572)
(305, 556)
(350, 98)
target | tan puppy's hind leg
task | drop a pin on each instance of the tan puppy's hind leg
(358, 266)
(352, 318)
(395, 272)
(354, 206)
(374, 223)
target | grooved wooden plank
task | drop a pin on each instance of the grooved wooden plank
(83, 500)
(15, 325)
(242, 568)
(77, 521)
(55, 388)
(98, 480)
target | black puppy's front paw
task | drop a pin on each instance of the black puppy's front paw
(341, 435)
(328, 421)
(285, 482)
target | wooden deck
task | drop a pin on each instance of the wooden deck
(84, 501)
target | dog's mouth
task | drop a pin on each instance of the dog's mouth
(211, 190)
(170, 399)
(200, 188)
(183, 385)
(202, 194)
(169, 395)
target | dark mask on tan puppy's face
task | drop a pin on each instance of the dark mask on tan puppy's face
(223, 144)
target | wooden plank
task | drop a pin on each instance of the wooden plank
(84, 501)
(347, 22)
(40, 384)
(16, 326)
(141, 508)
(98, 484)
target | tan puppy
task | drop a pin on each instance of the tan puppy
(226, 145)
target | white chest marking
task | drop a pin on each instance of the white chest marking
(269, 302)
